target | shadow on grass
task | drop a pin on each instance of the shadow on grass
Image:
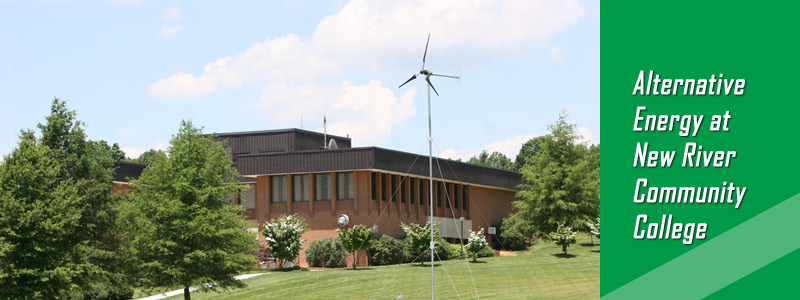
(563, 255)
(589, 245)
(425, 265)
(596, 251)
(477, 262)
(360, 269)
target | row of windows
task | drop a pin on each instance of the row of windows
(400, 184)
(301, 191)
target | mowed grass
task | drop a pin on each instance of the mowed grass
(537, 273)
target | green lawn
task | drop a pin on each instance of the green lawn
(538, 273)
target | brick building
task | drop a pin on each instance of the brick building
(290, 171)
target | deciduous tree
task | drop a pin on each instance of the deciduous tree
(181, 228)
(355, 240)
(284, 237)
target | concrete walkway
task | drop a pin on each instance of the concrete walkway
(180, 292)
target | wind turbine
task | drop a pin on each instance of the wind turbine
(428, 75)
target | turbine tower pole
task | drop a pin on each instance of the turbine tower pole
(430, 186)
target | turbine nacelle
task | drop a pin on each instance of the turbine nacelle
(427, 73)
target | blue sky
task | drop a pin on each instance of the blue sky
(134, 69)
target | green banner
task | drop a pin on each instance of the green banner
(699, 126)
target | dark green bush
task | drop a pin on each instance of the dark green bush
(387, 250)
(455, 251)
(513, 233)
(326, 253)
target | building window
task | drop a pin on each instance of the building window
(464, 196)
(456, 196)
(448, 192)
(322, 187)
(414, 184)
(438, 193)
(344, 184)
(374, 185)
(423, 197)
(300, 192)
(248, 198)
(393, 188)
(383, 187)
(403, 186)
(278, 188)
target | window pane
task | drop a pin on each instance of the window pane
(278, 188)
(413, 190)
(248, 197)
(403, 186)
(344, 182)
(374, 185)
(383, 187)
(323, 186)
(456, 198)
(393, 188)
(300, 192)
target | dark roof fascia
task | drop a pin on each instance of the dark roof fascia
(258, 132)
(366, 158)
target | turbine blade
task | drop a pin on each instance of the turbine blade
(448, 76)
(428, 79)
(409, 80)
(426, 51)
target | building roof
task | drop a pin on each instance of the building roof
(288, 151)
(124, 169)
(374, 158)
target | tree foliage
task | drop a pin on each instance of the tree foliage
(355, 240)
(148, 157)
(57, 217)
(594, 228)
(494, 160)
(284, 237)
(388, 250)
(181, 229)
(561, 180)
(528, 151)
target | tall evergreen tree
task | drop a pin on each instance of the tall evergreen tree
(85, 231)
(181, 227)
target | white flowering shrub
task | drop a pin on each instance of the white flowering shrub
(283, 237)
(564, 236)
(477, 241)
(594, 228)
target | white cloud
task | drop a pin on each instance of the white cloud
(173, 14)
(123, 1)
(369, 35)
(376, 111)
(509, 147)
(170, 32)
(586, 136)
(132, 152)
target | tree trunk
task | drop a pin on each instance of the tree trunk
(564, 248)
(592, 236)
(355, 260)
(186, 294)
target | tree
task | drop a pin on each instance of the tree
(284, 237)
(59, 234)
(563, 236)
(594, 229)
(148, 157)
(355, 240)
(477, 241)
(527, 151)
(561, 181)
(181, 229)
(495, 160)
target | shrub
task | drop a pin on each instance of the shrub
(356, 240)
(388, 250)
(418, 241)
(454, 251)
(513, 233)
(564, 236)
(326, 253)
(283, 237)
(477, 241)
